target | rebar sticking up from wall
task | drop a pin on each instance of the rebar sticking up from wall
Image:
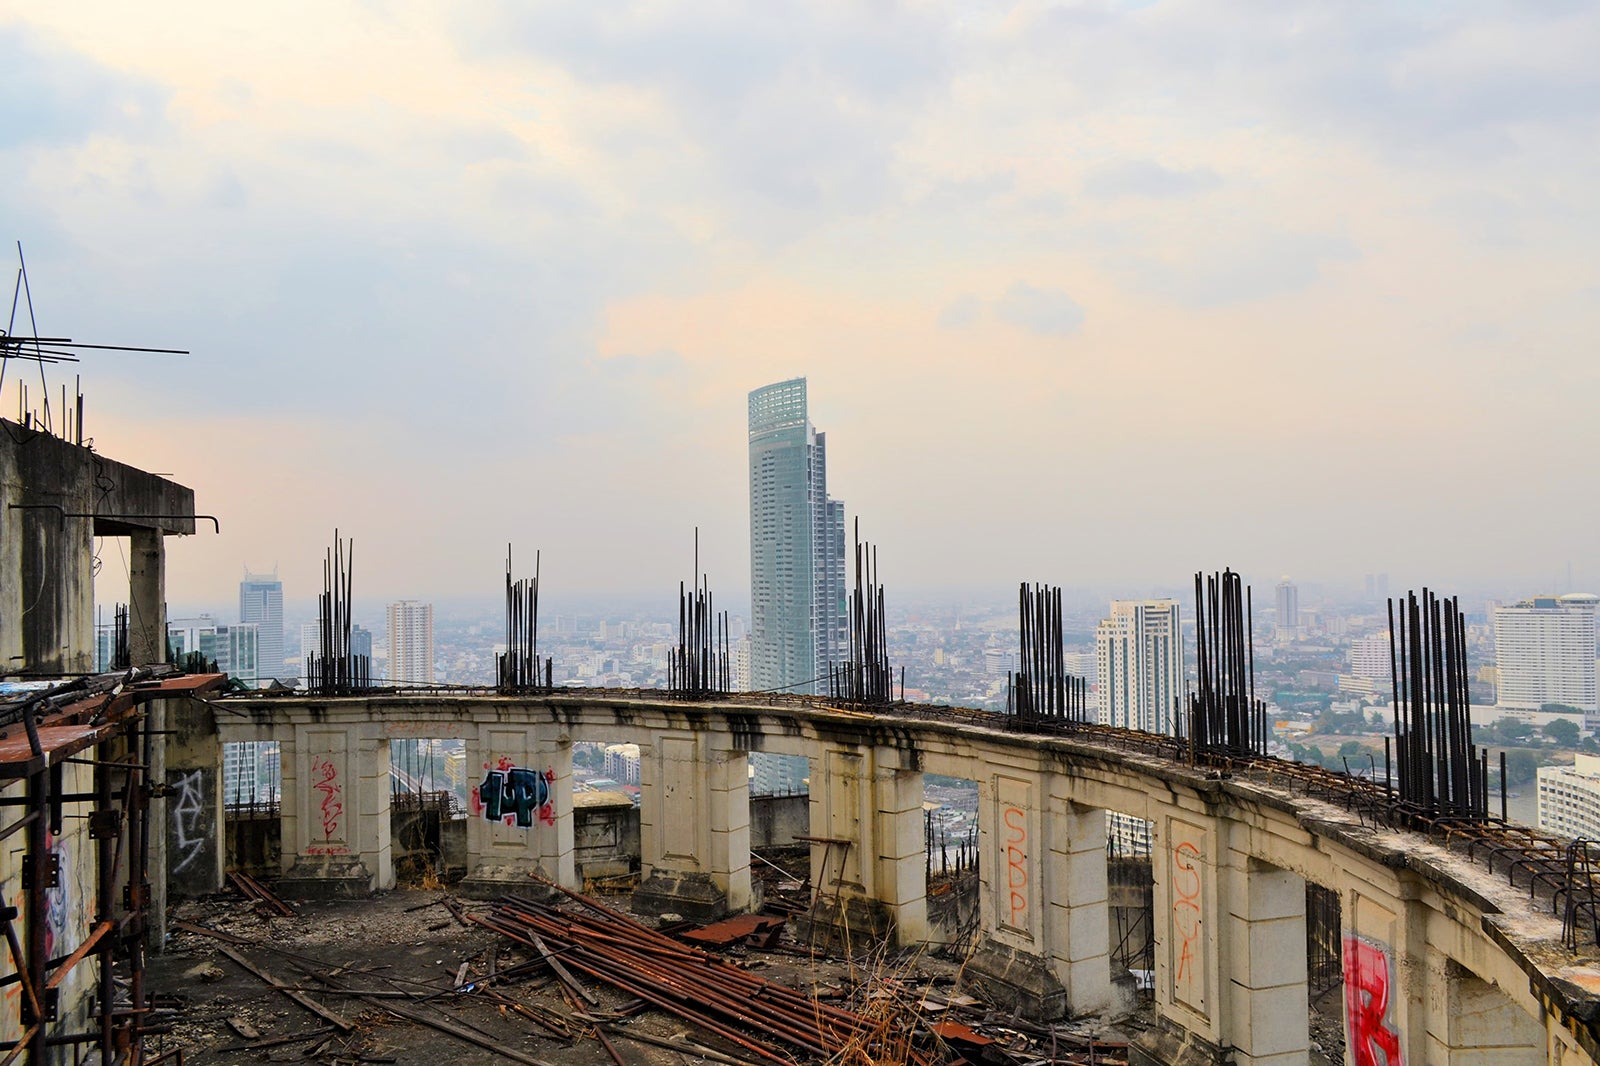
(866, 679)
(331, 669)
(519, 669)
(701, 663)
(121, 657)
(1225, 718)
(1441, 771)
(1041, 690)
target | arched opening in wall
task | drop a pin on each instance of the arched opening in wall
(428, 810)
(950, 836)
(1130, 888)
(1324, 974)
(605, 815)
(780, 817)
(252, 785)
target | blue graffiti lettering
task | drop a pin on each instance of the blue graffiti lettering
(517, 791)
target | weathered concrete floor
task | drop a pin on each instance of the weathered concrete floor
(384, 943)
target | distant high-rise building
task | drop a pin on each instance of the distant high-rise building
(1545, 651)
(410, 642)
(1377, 587)
(1139, 665)
(261, 603)
(797, 546)
(1569, 798)
(1288, 618)
(1370, 658)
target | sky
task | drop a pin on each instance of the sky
(1092, 293)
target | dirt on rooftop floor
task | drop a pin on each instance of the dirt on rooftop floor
(410, 977)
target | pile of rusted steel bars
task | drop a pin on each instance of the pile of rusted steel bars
(519, 669)
(710, 992)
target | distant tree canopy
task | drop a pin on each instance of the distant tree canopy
(1562, 732)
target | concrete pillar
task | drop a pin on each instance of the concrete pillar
(156, 922)
(336, 784)
(1264, 937)
(1043, 899)
(694, 827)
(1474, 1023)
(191, 812)
(147, 597)
(520, 817)
(868, 867)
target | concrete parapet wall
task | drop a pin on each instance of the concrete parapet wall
(1430, 939)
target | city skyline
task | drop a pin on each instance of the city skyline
(1319, 281)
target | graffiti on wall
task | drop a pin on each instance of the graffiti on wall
(1368, 988)
(1185, 908)
(1016, 822)
(325, 779)
(514, 795)
(56, 901)
(191, 820)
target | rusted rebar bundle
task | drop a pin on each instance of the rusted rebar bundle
(1225, 718)
(332, 670)
(121, 657)
(866, 679)
(712, 993)
(519, 669)
(701, 663)
(1440, 769)
(1041, 690)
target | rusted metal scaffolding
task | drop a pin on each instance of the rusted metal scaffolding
(98, 722)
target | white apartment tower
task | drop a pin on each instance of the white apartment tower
(1545, 651)
(411, 642)
(1139, 665)
(1369, 657)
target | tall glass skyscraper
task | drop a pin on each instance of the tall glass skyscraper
(261, 603)
(797, 549)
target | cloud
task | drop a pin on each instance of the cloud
(52, 95)
(963, 311)
(1243, 268)
(1146, 177)
(1046, 312)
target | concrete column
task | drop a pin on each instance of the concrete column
(694, 827)
(147, 597)
(1474, 1023)
(157, 812)
(867, 848)
(520, 818)
(336, 783)
(1043, 899)
(1264, 937)
(191, 813)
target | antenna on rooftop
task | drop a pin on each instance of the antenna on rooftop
(66, 420)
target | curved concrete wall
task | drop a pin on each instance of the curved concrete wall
(1444, 962)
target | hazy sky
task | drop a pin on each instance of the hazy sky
(1086, 292)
